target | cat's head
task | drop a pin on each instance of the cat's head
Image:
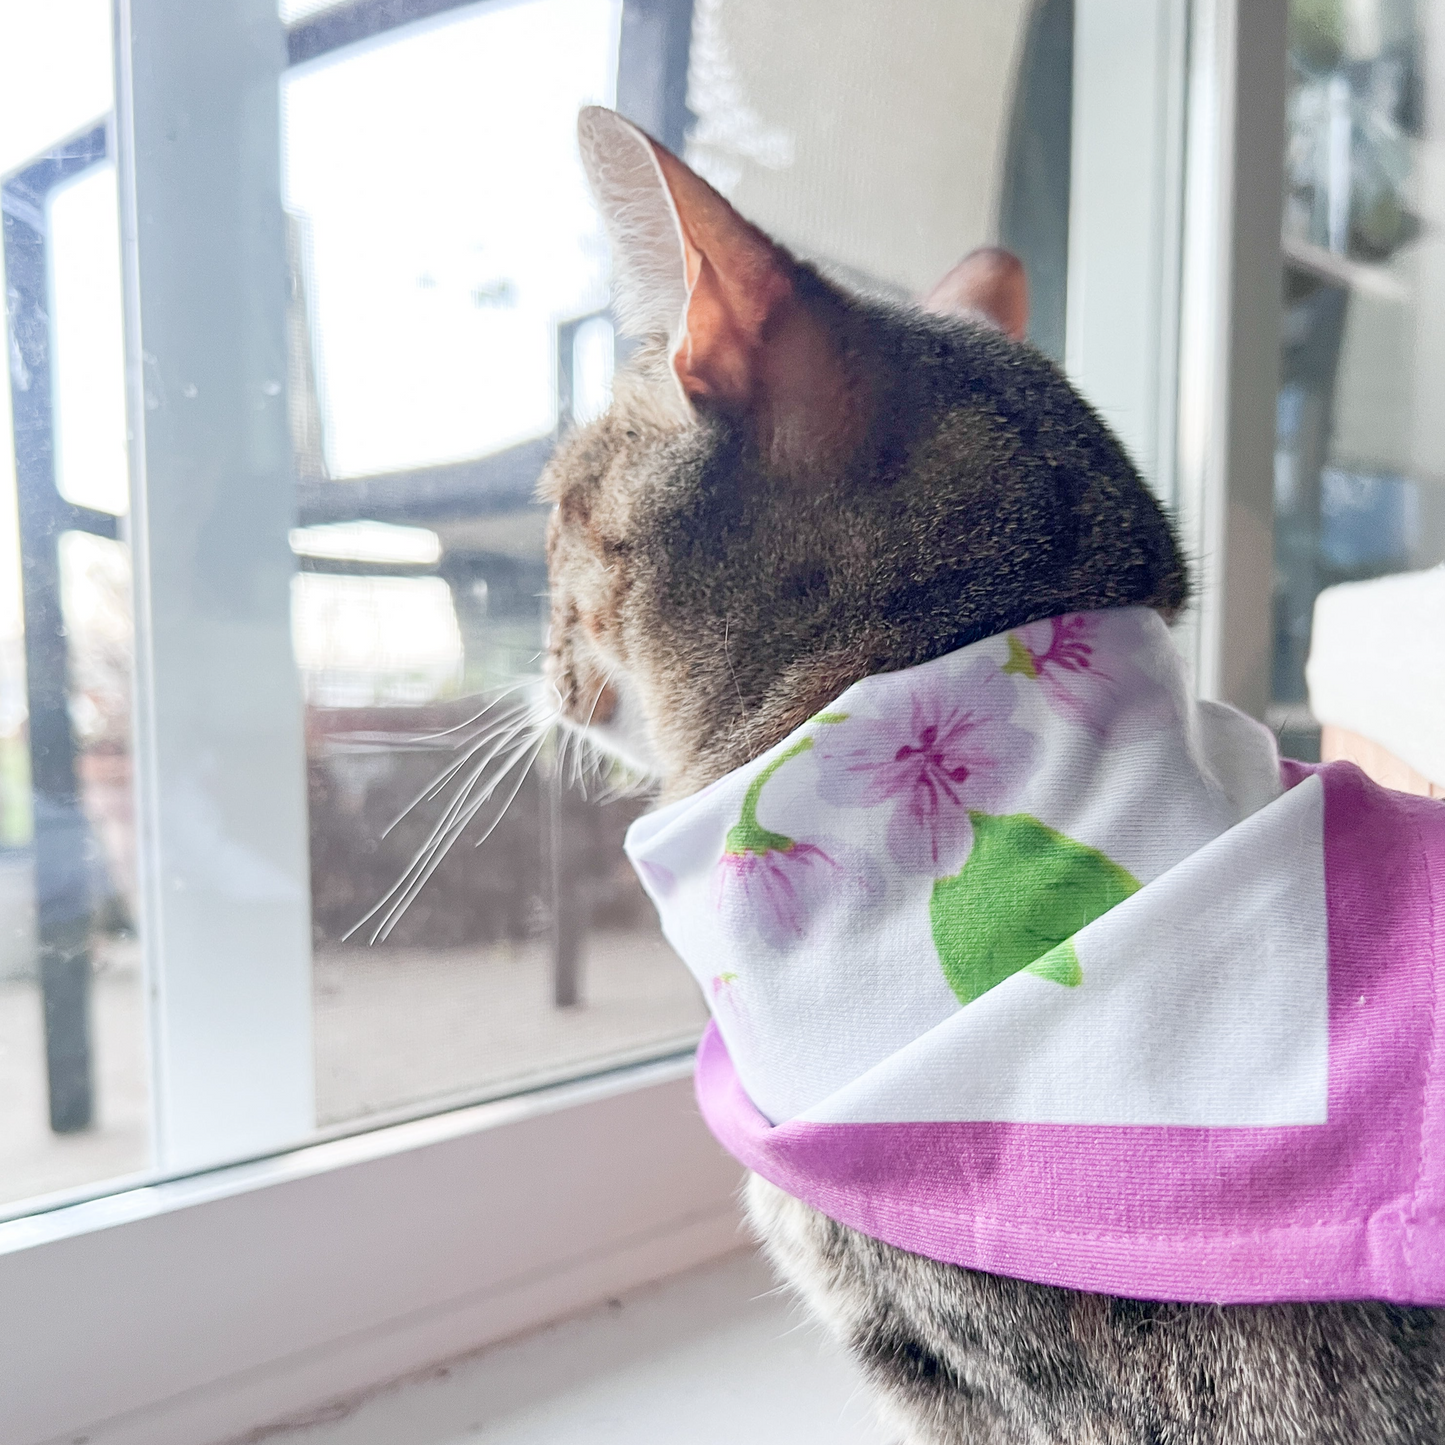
(795, 487)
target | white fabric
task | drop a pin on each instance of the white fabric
(1199, 999)
(1131, 1046)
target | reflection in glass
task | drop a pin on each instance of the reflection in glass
(368, 641)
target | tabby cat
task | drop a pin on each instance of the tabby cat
(794, 488)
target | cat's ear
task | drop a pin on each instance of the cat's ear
(649, 261)
(688, 265)
(989, 283)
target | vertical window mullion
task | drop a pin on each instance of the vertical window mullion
(1124, 216)
(1229, 340)
(219, 735)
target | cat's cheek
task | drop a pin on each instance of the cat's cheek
(624, 732)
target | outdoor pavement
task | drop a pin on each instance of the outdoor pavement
(396, 1031)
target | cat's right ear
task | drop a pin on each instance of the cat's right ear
(988, 284)
(650, 279)
(688, 267)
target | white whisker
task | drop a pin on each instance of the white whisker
(506, 729)
(511, 797)
(454, 819)
(728, 658)
(582, 746)
(423, 867)
(504, 693)
(496, 754)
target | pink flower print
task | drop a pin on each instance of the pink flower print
(766, 884)
(774, 893)
(659, 875)
(730, 1007)
(956, 751)
(1059, 655)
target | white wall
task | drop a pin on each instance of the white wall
(870, 134)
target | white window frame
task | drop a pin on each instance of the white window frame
(1174, 291)
(1126, 198)
(199, 1308)
(219, 750)
(195, 1310)
(1229, 334)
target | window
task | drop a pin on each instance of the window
(1359, 479)
(448, 314)
(339, 572)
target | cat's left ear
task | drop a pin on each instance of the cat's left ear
(691, 267)
(990, 285)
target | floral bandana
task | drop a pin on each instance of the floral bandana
(1028, 961)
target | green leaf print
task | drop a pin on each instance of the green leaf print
(1020, 660)
(1059, 965)
(1017, 902)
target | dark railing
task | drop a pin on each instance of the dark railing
(64, 849)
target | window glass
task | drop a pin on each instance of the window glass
(56, 74)
(475, 924)
(1360, 462)
(873, 145)
(89, 351)
(446, 228)
(74, 1083)
(441, 293)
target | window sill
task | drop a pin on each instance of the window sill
(713, 1357)
(198, 1309)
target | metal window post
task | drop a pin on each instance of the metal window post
(64, 846)
(652, 68)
